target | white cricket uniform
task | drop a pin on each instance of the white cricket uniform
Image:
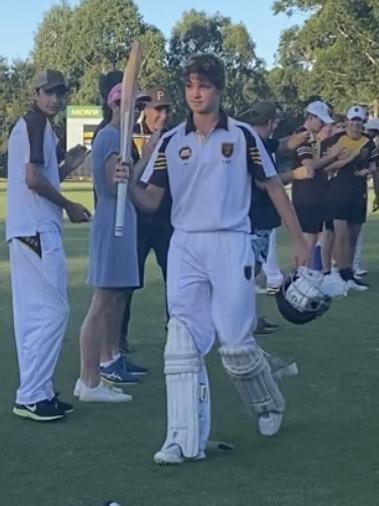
(210, 283)
(38, 265)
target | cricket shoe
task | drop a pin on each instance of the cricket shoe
(131, 367)
(102, 393)
(355, 285)
(333, 285)
(116, 374)
(172, 455)
(281, 368)
(79, 384)
(269, 423)
(43, 411)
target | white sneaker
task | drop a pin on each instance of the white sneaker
(101, 393)
(269, 424)
(360, 272)
(79, 383)
(172, 455)
(333, 285)
(356, 287)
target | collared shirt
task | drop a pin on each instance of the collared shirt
(32, 140)
(209, 176)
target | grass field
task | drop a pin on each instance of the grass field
(326, 455)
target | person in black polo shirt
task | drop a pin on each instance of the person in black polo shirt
(154, 230)
(348, 190)
(308, 194)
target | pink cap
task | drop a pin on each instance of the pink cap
(115, 94)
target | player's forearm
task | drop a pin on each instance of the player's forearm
(283, 205)
(144, 198)
(37, 182)
(320, 164)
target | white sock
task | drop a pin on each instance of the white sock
(110, 362)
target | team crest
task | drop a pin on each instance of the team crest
(227, 149)
(185, 153)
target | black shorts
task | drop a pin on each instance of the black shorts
(352, 212)
(311, 218)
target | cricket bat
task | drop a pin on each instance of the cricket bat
(128, 101)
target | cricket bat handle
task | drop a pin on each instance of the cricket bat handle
(122, 190)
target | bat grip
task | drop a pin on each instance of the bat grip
(122, 190)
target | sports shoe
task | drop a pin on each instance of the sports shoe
(66, 407)
(356, 286)
(273, 289)
(360, 272)
(131, 367)
(171, 455)
(43, 411)
(101, 393)
(333, 285)
(79, 383)
(117, 375)
(269, 423)
(281, 368)
(266, 324)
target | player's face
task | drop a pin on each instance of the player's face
(50, 102)
(315, 124)
(202, 96)
(339, 127)
(326, 131)
(156, 117)
(354, 128)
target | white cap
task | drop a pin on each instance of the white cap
(321, 110)
(356, 111)
(372, 124)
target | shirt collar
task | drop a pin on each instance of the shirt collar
(222, 123)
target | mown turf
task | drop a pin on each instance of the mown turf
(326, 455)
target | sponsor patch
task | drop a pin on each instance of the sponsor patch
(185, 153)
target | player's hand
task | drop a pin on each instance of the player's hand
(77, 213)
(375, 204)
(362, 173)
(302, 173)
(301, 252)
(151, 144)
(335, 151)
(75, 157)
(122, 171)
(296, 140)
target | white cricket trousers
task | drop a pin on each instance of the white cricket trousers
(271, 266)
(40, 313)
(210, 286)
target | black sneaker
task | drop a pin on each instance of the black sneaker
(43, 411)
(65, 407)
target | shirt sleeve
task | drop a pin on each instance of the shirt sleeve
(374, 152)
(304, 152)
(156, 170)
(259, 162)
(110, 139)
(35, 126)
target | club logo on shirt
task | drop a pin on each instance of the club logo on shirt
(185, 153)
(227, 149)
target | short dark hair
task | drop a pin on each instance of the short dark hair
(208, 66)
(262, 112)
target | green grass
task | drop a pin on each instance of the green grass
(326, 455)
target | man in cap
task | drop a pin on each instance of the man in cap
(33, 232)
(308, 193)
(154, 230)
(348, 190)
(372, 129)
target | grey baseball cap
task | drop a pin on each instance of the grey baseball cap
(49, 79)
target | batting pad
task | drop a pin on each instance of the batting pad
(250, 372)
(183, 365)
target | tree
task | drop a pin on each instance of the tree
(338, 47)
(199, 32)
(93, 38)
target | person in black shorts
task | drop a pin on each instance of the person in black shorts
(308, 194)
(348, 189)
